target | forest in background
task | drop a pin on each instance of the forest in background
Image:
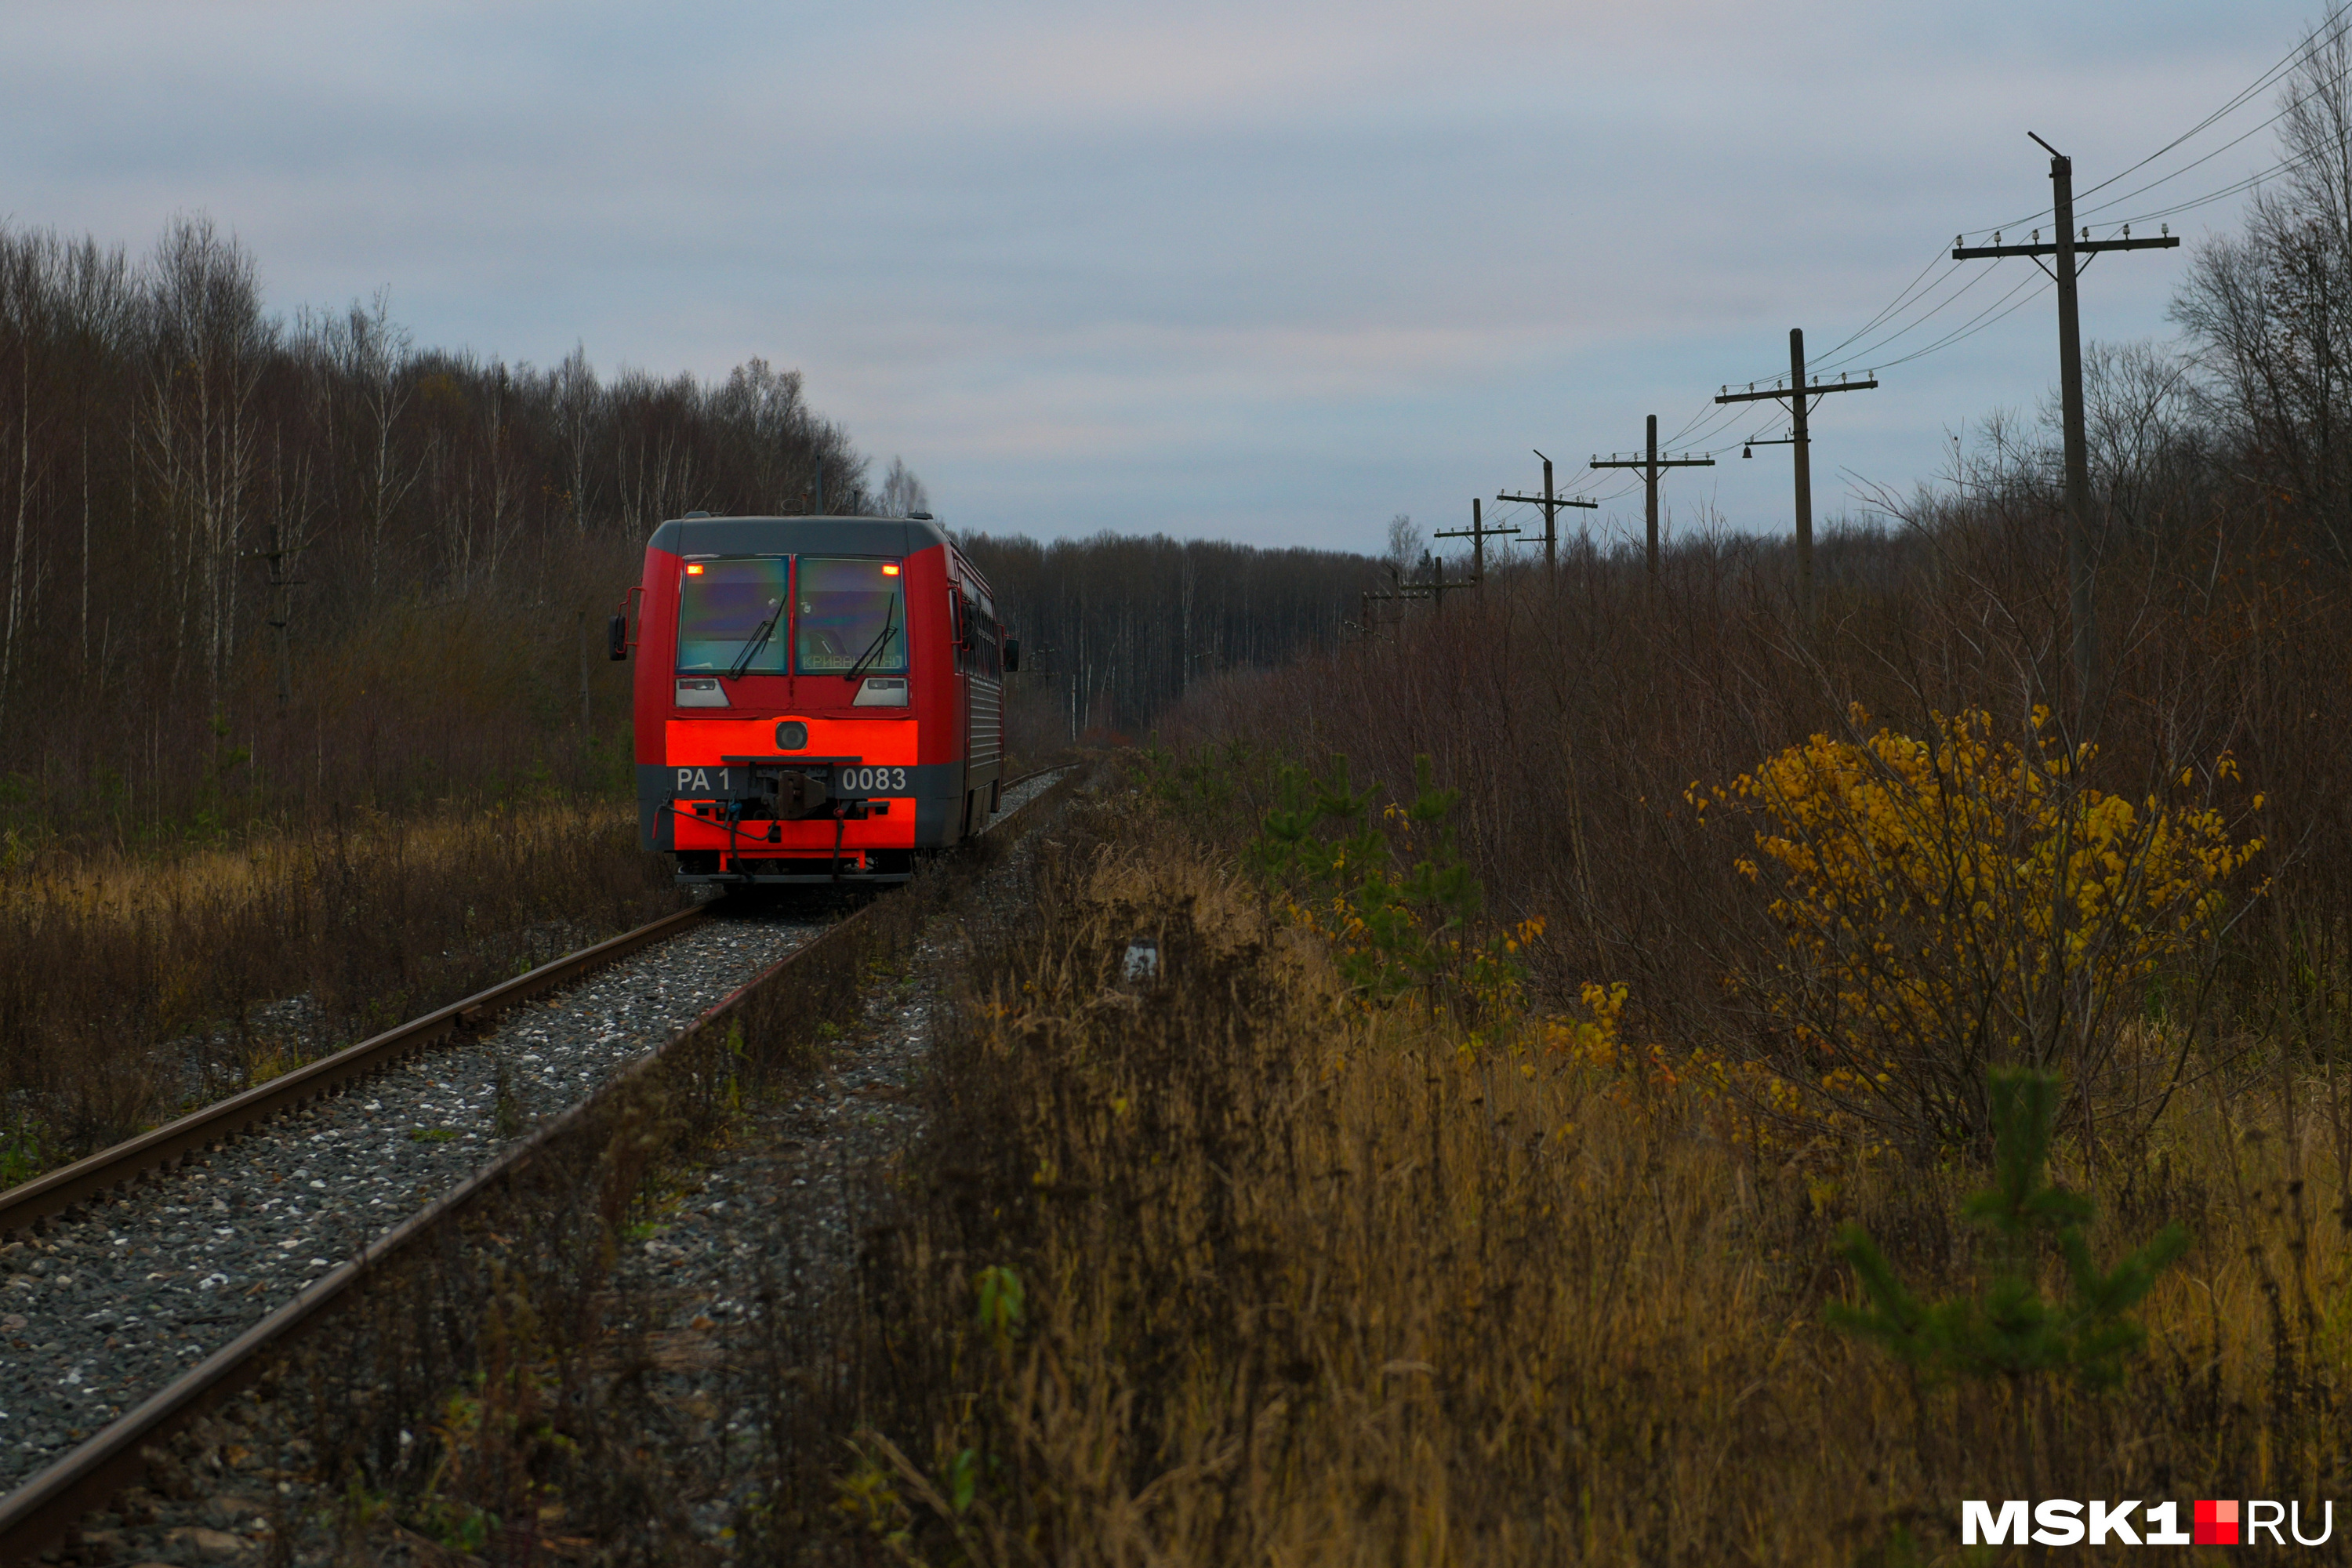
(1114, 629)
(254, 567)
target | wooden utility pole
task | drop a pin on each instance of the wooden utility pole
(1403, 592)
(2080, 605)
(281, 608)
(1551, 504)
(1651, 467)
(1477, 533)
(1801, 396)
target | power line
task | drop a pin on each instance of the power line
(1974, 324)
(1913, 294)
(2237, 101)
(1869, 350)
(2286, 63)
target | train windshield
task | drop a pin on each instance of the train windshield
(722, 607)
(852, 616)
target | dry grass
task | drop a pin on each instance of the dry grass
(132, 988)
(1305, 1284)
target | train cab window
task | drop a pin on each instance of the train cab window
(722, 607)
(852, 615)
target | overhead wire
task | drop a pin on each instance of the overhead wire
(2237, 101)
(1844, 355)
(2244, 95)
(1926, 296)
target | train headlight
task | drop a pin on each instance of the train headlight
(700, 691)
(882, 692)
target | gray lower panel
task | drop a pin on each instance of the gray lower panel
(938, 789)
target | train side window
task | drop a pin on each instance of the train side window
(965, 621)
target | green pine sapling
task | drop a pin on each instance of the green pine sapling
(2010, 1331)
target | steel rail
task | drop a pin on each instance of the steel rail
(23, 1207)
(37, 1515)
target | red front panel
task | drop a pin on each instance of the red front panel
(923, 741)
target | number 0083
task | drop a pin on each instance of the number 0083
(876, 781)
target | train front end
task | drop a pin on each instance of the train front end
(804, 699)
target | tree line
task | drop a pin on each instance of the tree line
(1115, 629)
(256, 562)
(232, 537)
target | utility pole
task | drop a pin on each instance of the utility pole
(280, 618)
(1801, 396)
(1403, 592)
(1551, 504)
(1651, 467)
(1477, 533)
(2080, 605)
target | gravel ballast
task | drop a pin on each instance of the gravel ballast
(102, 1312)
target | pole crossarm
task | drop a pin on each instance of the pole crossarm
(1684, 462)
(1537, 501)
(1752, 395)
(1477, 533)
(2080, 247)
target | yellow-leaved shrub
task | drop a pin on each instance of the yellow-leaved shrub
(1947, 904)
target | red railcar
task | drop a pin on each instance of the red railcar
(818, 699)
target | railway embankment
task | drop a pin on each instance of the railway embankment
(545, 1216)
(102, 1309)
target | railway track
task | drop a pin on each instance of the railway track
(151, 1170)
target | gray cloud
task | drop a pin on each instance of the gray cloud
(1271, 271)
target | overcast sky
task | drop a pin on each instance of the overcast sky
(1270, 271)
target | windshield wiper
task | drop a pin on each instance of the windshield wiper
(758, 640)
(881, 639)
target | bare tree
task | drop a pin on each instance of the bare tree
(902, 492)
(576, 399)
(1406, 546)
(2270, 309)
(208, 349)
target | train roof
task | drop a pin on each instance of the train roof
(795, 535)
